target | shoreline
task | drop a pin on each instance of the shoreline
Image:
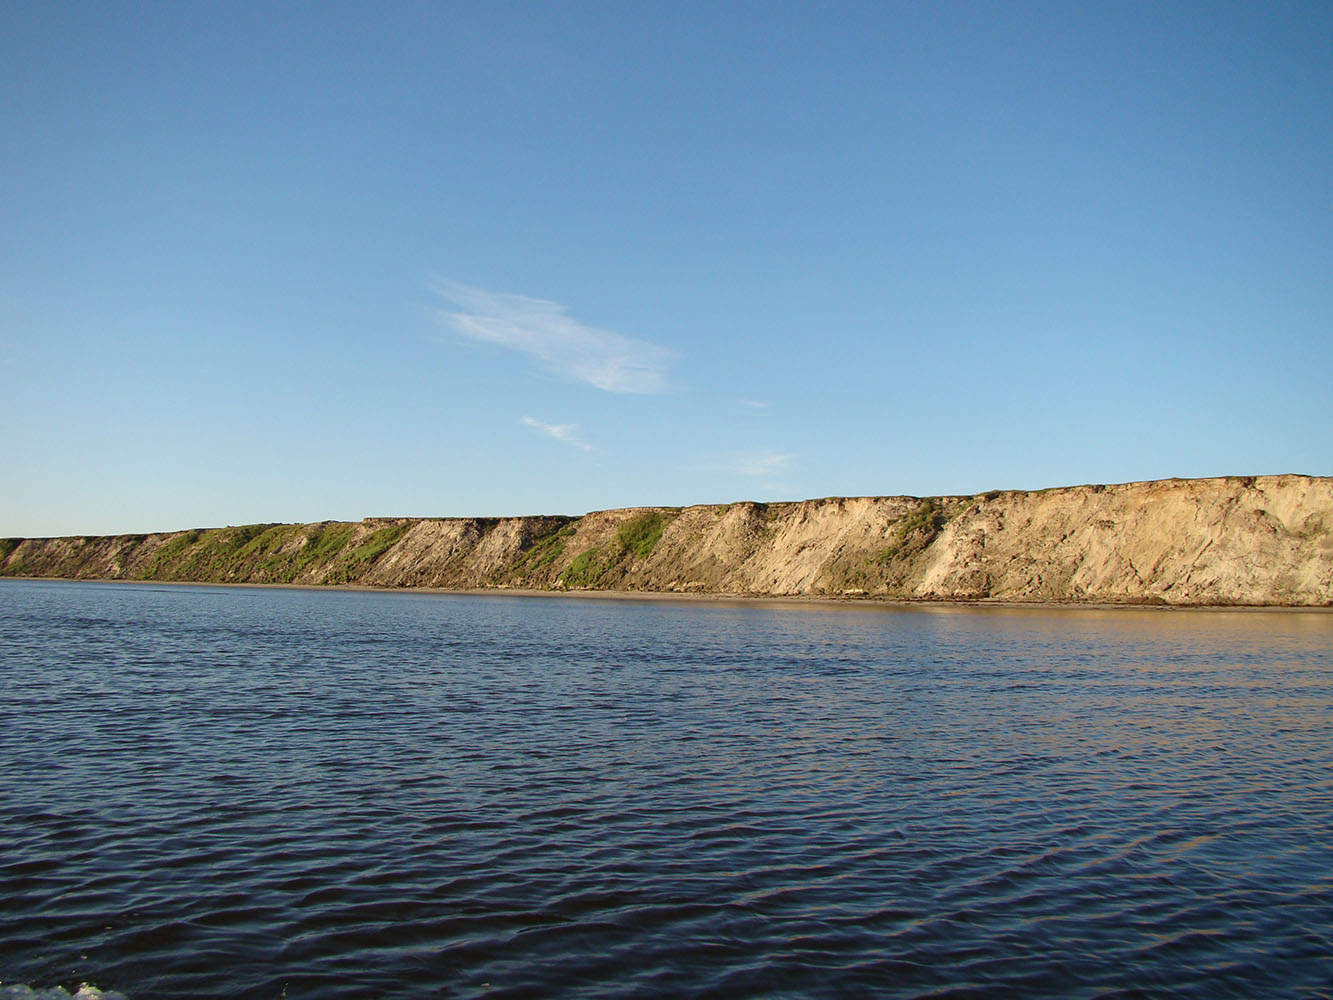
(715, 599)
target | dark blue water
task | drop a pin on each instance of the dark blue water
(214, 792)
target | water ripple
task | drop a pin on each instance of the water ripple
(224, 793)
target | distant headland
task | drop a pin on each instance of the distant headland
(1256, 540)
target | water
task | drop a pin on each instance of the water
(211, 792)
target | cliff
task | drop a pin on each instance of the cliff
(1265, 540)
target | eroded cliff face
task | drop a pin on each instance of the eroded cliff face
(1265, 540)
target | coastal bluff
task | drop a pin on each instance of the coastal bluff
(1255, 540)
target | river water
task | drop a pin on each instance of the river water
(236, 792)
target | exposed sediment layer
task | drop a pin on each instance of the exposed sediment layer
(1263, 540)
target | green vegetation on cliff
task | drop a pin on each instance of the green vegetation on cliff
(545, 549)
(591, 568)
(377, 544)
(606, 566)
(327, 552)
(641, 534)
(915, 531)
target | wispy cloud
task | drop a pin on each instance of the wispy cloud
(754, 404)
(768, 463)
(561, 432)
(544, 330)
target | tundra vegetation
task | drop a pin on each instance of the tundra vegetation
(606, 565)
(544, 549)
(327, 552)
(641, 534)
(915, 531)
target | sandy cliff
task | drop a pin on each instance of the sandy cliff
(1265, 540)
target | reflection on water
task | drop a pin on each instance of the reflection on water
(238, 792)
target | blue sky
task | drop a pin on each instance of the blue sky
(304, 261)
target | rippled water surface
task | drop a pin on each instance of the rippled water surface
(211, 792)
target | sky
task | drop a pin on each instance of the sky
(294, 262)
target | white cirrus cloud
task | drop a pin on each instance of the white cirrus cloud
(766, 463)
(543, 330)
(561, 432)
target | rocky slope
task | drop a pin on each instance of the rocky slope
(1265, 540)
